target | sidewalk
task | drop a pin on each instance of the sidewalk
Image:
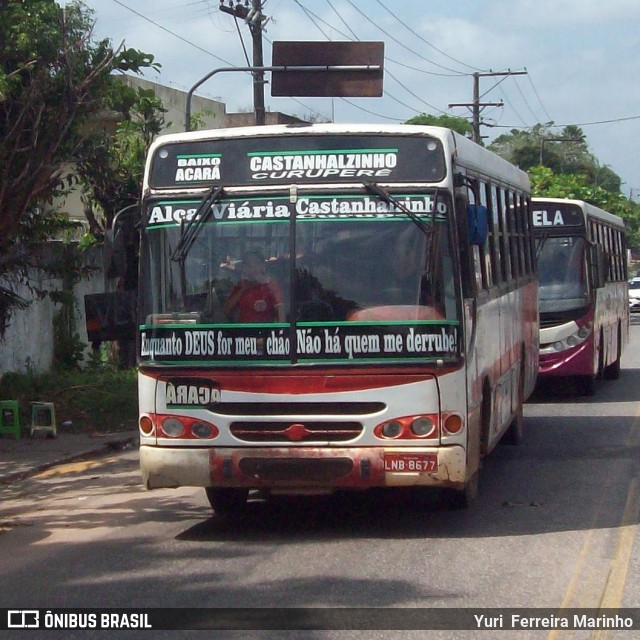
(27, 456)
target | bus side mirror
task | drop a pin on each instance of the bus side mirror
(598, 266)
(477, 224)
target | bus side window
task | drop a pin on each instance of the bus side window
(471, 273)
(487, 256)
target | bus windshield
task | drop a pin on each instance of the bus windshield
(562, 274)
(349, 260)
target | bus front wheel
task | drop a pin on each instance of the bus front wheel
(461, 498)
(612, 372)
(227, 500)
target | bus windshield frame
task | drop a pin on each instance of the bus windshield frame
(338, 278)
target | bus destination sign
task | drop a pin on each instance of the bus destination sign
(300, 159)
(556, 215)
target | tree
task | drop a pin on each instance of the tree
(110, 165)
(456, 123)
(566, 152)
(561, 165)
(53, 79)
(545, 183)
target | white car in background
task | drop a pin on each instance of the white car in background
(634, 294)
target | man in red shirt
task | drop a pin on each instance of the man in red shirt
(256, 297)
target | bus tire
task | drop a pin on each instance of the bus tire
(227, 500)
(612, 372)
(454, 499)
(515, 432)
(485, 419)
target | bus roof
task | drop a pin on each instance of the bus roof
(589, 209)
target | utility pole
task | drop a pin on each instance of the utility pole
(254, 17)
(476, 105)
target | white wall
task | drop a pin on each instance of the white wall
(28, 342)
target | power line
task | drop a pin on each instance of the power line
(354, 37)
(525, 100)
(402, 44)
(509, 102)
(538, 97)
(346, 24)
(310, 13)
(373, 113)
(572, 124)
(175, 35)
(406, 26)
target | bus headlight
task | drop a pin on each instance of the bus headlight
(584, 332)
(172, 427)
(409, 427)
(575, 339)
(391, 429)
(202, 430)
(422, 426)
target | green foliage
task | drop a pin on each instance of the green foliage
(54, 78)
(197, 120)
(565, 153)
(94, 400)
(68, 350)
(545, 183)
(110, 165)
(455, 123)
(561, 166)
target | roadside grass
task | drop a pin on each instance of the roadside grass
(92, 401)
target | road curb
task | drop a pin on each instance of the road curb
(102, 449)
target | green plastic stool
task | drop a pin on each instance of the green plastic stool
(10, 418)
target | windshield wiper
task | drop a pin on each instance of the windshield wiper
(542, 239)
(385, 196)
(193, 227)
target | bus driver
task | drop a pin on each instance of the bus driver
(256, 297)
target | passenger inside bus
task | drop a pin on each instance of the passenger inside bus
(218, 290)
(404, 286)
(256, 297)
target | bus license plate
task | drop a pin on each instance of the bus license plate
(411, 462)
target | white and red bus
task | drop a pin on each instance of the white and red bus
(331, 307)
(582, 272)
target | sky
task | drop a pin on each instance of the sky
(581, 57)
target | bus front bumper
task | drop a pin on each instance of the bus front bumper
(570, 362)
(303, 469)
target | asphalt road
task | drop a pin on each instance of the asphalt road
(555, 526)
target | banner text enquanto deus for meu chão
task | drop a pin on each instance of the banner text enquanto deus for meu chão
(330, 342)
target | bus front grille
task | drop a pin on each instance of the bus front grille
(308, 432)
(296, 408)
